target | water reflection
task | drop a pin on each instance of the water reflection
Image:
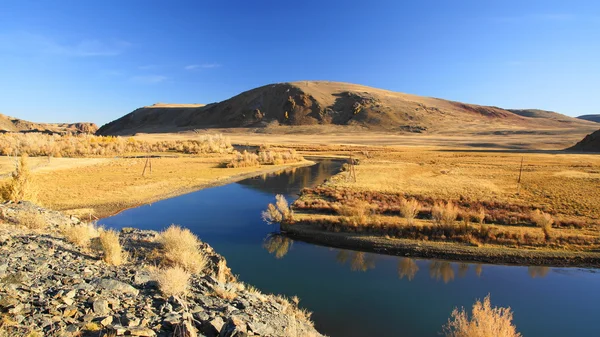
(359, 261)
(408, 268)
(463, 268)
(277, 244)
(441, 270)
(538, 271)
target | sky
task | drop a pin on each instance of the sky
(73, 60)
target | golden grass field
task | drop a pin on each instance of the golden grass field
(104, 186)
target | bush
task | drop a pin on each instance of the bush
(244, 159)
(544, 221)
(181, 248)
(113, 252)
(278, 213)
(32, 220)
(80, 235)
(409, 209)
(485, 321)
(20, 186)
(172, 281)
(444, 214)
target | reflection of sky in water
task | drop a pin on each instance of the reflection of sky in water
(364, 294)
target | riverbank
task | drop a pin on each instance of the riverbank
(51, 287)
(97, 188)
(309, 232)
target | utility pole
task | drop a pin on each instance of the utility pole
(519, 180)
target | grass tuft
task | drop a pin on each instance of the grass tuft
(181, 248)
(172, 281)
(111, 248)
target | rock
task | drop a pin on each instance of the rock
(234, 327)
(217, 324)
(120, 330)
(106, 321)
(101, 307)
(117, 286)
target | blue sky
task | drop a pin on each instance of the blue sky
(98, 60)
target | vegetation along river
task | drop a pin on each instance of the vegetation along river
(364, 294)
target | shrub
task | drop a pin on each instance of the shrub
(20, 186)
(444, 213)
(244, 159)
(181, 248)
(409, 209)
(544, 221)
(278, 213)
(484, 321)
(111, 248)
(80, 235)
(172, 281)
(32, 220)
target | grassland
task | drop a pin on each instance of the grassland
(367, 213)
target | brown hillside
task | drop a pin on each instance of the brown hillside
(11, 124)
(591, 143)
(330, 103)
(593, 118)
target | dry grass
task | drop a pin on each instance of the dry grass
(80, 235)
(181, 248)
(113, 253)
(224, 293)
(264, 157)
(278, 213)
(20, 186)
(485, 321)
(444, 214)
(544, 221)
(31, 220)
(38, 144)
(172, 281)
(409, 209)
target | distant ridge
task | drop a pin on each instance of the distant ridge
(591, 118)
(12, 124)
(337, 104)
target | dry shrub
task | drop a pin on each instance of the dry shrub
(111, 248)
(172, 281)
(409, 209)
(224, 293)
(485, 321)
(355, 212)
(479, 215)
(444, 213)
(38, 144)
(20, 187)
(278, 213)
(269, 157)
(244, 159)
(31, 220)
(181, 248)
(80, 235)
(544, 221)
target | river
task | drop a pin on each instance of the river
(365, 294)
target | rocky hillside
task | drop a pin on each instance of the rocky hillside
(330, 103)
(591, 143)
(11, 124)
(591, 118)
(53, 288)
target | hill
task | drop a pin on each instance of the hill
(332, 103)
(591, 143)
(11, 124)
(592, 118)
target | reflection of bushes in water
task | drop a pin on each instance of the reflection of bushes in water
(478, 269)
(278, 244)
(408, 268)
(538, 271)
(463, 268)
(359, 261)
(441, 270)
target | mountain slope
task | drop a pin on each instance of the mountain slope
(591, 118)
(591, 143)
(329, 103)
(11, 124)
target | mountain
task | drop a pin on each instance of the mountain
(591, 143)
(11, 124)
(332, 103)
(592, 118)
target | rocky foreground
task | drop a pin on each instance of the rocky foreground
(50, 287)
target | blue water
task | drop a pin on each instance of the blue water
(363, 294)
